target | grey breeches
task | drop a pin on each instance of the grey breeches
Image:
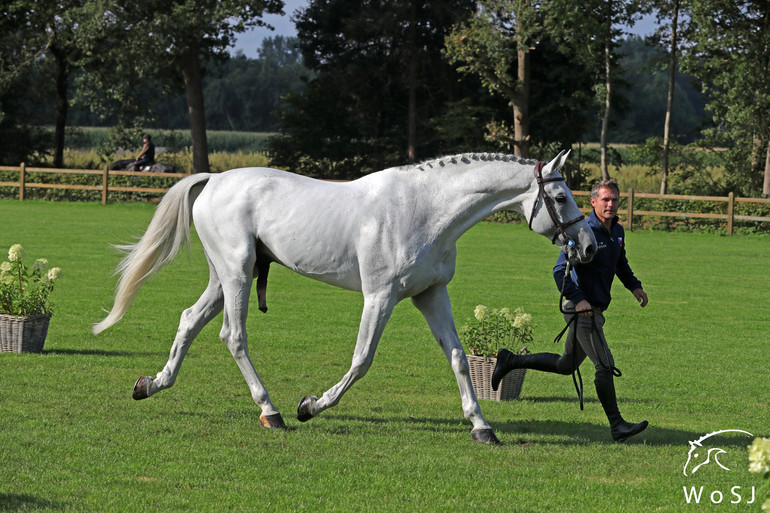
(590, 342)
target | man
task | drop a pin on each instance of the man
(587, 293)
(146, 157)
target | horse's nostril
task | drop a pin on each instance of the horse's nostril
(590, 250)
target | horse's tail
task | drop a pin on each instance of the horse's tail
(160, 244)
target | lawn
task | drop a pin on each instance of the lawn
(694, 361)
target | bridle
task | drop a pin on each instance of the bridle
(561, 228)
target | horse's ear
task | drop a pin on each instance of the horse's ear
(557, 163)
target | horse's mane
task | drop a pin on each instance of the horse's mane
(467, 158)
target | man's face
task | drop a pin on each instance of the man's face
(605, 204)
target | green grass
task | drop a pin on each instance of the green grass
(694, 361)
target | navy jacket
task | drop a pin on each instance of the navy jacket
(593, 281)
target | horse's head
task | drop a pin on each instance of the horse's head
(555, 213)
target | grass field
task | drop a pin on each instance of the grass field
(694, 361)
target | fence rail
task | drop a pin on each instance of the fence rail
(105, 187)
(729, 216)
(631, 213)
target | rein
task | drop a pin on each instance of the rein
(576, 376)
(560, 227)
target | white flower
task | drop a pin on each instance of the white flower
(41, 264)
(759, 456)
(54, 273)
(481, 312)
(5, 267)
(766, 506)
(16, 253)
(522, 321)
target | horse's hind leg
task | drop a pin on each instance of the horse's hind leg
(233, 334)
(192, 321)
(435, 306)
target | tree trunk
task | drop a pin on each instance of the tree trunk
(607, 92)
(412, 84)
(766, 183)
(521, 107)
(62, 106)
(196, 109)
(670, 98)
(523, 86)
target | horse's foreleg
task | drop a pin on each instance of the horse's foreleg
(377, 310)
(192, 321)
(434, 304)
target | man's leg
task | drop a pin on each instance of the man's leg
(590, 336)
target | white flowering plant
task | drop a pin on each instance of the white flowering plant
(24, 291)
(759, 463)
(496, 329)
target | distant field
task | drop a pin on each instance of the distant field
(694, 362)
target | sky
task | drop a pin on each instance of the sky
(251, 41)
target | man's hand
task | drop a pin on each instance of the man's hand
(641, 296)
(584, 309)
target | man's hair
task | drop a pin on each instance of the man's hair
(147, 136)
(611, 184)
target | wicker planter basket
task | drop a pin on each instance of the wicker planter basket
(23, 334)
(481, 376)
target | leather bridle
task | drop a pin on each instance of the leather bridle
(560, 227)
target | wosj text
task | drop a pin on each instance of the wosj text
(694, 495)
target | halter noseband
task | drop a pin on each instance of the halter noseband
(560, 227)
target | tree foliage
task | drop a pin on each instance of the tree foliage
(377, 68)
(730, 52)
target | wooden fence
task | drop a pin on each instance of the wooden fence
(631, 213)
(729, 216)
(105, 187)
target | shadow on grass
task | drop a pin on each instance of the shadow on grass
(563, 432)
(23, 502)
(97, 352)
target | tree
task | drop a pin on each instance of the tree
(485, 45)
(675, 11)
(379, 81)
(592, 35)
(730, 53)
(169, 42)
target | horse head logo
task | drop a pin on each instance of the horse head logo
(700, 455)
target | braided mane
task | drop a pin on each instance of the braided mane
(467, 158)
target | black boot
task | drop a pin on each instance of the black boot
(507, 361)
(605, 389)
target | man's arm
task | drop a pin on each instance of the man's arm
(571, 290)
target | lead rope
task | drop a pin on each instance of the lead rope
(576, 376)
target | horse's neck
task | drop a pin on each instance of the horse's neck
(460, 192)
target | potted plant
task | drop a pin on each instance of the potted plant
(493, 330)
(25, 309)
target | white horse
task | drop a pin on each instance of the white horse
(390, 235)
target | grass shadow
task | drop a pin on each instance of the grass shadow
(562, 432)
(24, 502)
(97, 352)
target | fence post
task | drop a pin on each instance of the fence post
(22, 180)
(105, 174)
(730, 212)
(631, 209)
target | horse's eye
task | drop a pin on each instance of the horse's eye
(561, 198)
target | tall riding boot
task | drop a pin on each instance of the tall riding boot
(605, 389)
(507, 361)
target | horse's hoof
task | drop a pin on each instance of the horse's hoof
(274, 421)
(305, 408)
(485, 436)
(142, 388)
